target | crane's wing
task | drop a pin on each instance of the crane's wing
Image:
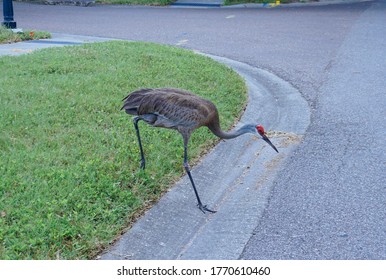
(133, 100)
(172, 107)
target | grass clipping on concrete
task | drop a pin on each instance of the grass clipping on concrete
(69, 159)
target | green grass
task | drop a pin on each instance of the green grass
(7, 36)
(69, 159)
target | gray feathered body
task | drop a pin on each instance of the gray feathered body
(173, 108)
(181, 110)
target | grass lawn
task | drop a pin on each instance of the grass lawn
(69, 160)
(7, 36)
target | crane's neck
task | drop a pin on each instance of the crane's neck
(248, 128)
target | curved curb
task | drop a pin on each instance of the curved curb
(276, 102)
(57, 40)
(235, 179)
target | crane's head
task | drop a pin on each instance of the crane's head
(261, 132)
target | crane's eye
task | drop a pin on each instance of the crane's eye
(260, 129)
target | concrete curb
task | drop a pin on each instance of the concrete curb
(57, 40)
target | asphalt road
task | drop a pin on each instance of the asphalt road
(328, 200)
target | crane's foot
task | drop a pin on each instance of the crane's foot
(205, 209)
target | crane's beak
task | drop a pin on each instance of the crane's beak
(266, 139)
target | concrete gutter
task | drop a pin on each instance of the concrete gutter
(57, 40)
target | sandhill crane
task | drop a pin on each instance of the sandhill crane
(183, 111)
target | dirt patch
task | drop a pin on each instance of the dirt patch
(287, 138)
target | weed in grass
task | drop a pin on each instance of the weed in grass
(8, 36)
(69, 158)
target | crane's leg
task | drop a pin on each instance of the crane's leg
(135, 120)
(202, 207)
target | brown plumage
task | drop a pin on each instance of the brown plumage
(183, 111)
(171, 108)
